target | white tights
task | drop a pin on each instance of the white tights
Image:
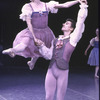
(56, 79)
(19, 48)
(96, 70)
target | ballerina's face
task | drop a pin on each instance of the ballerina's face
(97, 31)
(34, 0)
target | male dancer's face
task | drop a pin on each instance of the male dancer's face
(67, 26)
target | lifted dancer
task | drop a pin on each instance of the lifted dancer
(35, 14)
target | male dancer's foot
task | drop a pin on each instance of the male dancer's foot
(9, 52)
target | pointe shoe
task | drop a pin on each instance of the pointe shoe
(9, 52)
(31, 65)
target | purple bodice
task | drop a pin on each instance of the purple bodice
(40, 20)
(96, 44)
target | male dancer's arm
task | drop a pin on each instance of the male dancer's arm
(79, 29)
(75, 36)
(44, 51)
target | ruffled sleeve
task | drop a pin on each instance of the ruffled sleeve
(50, 6)
(46, 52)
(92, 41)
(26, 12)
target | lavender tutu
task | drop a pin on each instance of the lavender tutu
(41, 31)
(93, 59)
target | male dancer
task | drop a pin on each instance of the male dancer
(60, 53)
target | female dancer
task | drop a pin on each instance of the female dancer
(35, 14)
(93, 59)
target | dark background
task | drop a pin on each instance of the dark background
(10, 25)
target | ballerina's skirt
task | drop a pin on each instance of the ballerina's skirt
(25, 36)
(93, 59)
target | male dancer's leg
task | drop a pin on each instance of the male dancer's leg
(62, 82)
(50, 85)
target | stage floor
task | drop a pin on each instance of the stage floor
(19, 83)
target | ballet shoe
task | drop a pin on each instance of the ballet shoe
(96, 76)
(9, 52)
(31, 65)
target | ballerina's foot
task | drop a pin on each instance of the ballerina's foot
(96, 76)
(30, 64)
(9, 52)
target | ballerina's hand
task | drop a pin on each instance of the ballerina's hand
(85, 53)
(83, 1)
(38, 42)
